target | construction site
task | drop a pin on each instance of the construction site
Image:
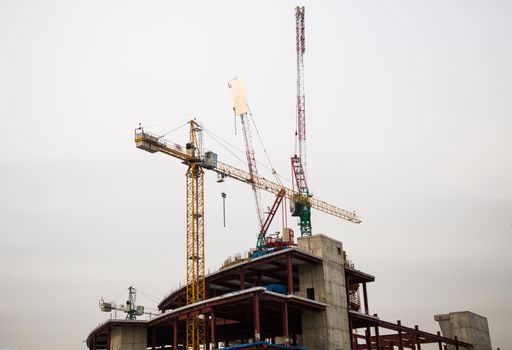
(295, 289)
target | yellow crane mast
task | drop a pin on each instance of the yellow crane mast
(197, 160)
(195, 289)
(192, 157)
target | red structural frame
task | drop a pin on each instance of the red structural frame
(238, 309)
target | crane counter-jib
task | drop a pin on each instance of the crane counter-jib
(153, 143)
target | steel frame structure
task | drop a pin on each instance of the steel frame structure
(248, 313)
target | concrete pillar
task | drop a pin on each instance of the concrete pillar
(467, 327)
(128, 337)
(329, 329)
(289, 274)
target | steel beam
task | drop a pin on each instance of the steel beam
(175, 335)
(212, 329)
(365, 296)
(256, 315)
(418, 343)
(377, 337)
(400, 340)
(286, 334)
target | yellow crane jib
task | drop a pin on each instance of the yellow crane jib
(152, 143)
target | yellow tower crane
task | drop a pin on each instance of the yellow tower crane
(194, 157)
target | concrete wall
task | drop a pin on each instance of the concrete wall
(467, 327)
(327, 330)
(128, 338)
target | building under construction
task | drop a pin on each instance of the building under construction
(287, 294)
(303, 297)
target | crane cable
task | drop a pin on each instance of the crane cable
(223, 146)
(153, 299)
(274, 172)
(222, 143)
(120, 296)
(173, 130)
(218, 139)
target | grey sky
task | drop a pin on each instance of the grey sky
(409, 123)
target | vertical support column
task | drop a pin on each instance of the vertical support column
(418, 344)
(109, 337)
(212, 330)
(347, 283)
(153, 338)
(175, 335)
(368, 338)
(286, 333)
(377, 336)
(365, 297)
(439, 342)
(290, 274)
(400, 340)
(353, 339)
(351, 331)
(457, 343)
(256, 313)
(242, 279)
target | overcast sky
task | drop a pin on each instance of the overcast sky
(409, 122)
